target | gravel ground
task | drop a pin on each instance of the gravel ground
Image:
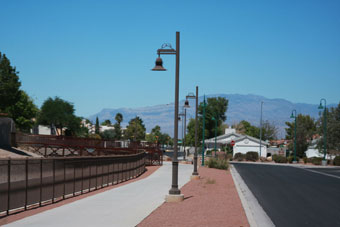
(211, 201)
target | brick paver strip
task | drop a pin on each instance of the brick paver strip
(211, 201)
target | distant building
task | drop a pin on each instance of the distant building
(243, 143)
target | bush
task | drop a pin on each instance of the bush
(279, 159)
(218, 163)
(290, 159)
(252, 156)
(336, 161)
(239, 157)
(305, 160)
(316, 160)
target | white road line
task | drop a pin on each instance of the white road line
(257, 217)
(313, 171)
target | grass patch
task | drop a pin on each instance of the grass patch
(218, 163)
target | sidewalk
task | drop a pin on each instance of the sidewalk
(127, 205)
(211, 201)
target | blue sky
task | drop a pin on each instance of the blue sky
(98, 54)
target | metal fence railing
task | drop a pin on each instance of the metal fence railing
(32, 182)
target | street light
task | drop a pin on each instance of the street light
(184, 115)
(174, 193)
(324, 162)
(203, 133)
(293, 115)
(192, 96)
(214, 119)
(261, 130)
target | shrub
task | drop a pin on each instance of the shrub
(316, 160)
(305, 160)
(290, 159)
(279, 159)
(336, 161)
(252, 156)
(239, 156)
(218, 163)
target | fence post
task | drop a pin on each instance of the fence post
(82, 176)
(74, 178)
(8, 185)
(26, 183)
(90, 175)
(41, 168)
(53, 184)
(96, 161)
(64, 190)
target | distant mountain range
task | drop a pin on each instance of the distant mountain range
(240, 107)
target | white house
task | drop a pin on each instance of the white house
(243, 143)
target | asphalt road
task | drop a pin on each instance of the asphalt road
(293, 196)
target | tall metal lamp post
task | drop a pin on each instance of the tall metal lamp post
(324, 161)
(214, 119)
(261, 129)
(203, 133)
(192, 96)
(293, 115)
(174, 193)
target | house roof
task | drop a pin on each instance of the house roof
(238, 137)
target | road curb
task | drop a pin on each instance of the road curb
(256, 216)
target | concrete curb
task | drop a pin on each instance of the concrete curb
(256, 216)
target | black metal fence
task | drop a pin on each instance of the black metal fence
(26, 183)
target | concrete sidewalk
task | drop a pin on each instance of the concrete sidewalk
(127, 205)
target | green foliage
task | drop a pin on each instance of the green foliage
(333, 130)
(239, 157)
(109, 134)
(279, 159)
(59, 113)
(252, 156)
(23, 112)
(290, 159)
(218, 163)
(215, 107)
(135, 131)
(117, 126)
(269, 131)
(336, 161)
(9, 84)
(106, 123)
(96, 129)
(156, 136)
(306, 128)
(316, 160)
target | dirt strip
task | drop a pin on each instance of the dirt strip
(211, 201)
(33, 211)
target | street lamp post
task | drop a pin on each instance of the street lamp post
(203, 133)
(261, 130)
(293, 115)
(214, 119)
(324, 161)
(195, 173)
(174, 193)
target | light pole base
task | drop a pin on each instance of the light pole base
(174, 198)
(324, 162)
(194, 177)
(294, 162)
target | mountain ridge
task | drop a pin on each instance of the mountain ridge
(240, 107)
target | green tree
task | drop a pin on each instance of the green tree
(215, 107)
(109, 134)
(9, 84)
(96, 129)
(306, 128)
(106, 122)
(135, 131)
(155, 135)
(117, 126)
(59, 113)
(269, 130)
(23, 112)
(333, 130)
